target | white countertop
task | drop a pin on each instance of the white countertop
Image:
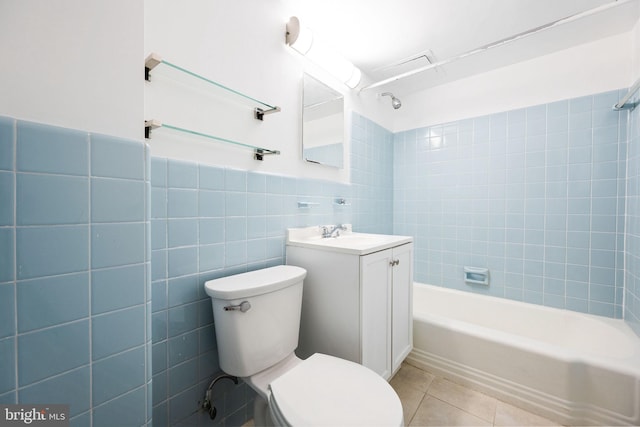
(347, 242)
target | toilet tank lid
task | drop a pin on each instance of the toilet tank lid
(254, 283)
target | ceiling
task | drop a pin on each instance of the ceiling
(385, 38)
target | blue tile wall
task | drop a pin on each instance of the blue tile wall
(71, 387)
(74, 282)
(55, 299)
(632, 255)
(105, 249)
(209, 222)
(371, 176)
(536, 195)
(46, 251)
(52, 199)
(67, 347)
(47, 149)
(7, 144)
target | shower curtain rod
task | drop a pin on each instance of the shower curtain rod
(622, 104)
(502, 42)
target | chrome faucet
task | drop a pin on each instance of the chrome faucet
(329, 230)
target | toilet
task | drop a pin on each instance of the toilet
(257, 320)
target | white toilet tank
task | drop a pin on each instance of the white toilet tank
(256, 317)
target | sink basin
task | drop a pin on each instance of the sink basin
(347, 241)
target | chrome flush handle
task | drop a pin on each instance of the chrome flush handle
(244, 306)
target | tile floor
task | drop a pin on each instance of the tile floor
(428, 400)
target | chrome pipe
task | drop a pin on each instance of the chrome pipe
(622, 104)
(498, 43)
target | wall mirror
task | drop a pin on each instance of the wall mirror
(322, 124)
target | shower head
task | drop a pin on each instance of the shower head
(395, 102)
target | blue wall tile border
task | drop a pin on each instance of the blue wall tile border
(116, 158)
(7, 143)
(632, 227)
(49, 149)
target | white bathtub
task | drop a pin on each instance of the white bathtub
(573, 368)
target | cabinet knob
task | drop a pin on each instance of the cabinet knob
(394, 262)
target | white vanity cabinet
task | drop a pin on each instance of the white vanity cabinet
(386, 308)
(357, 304)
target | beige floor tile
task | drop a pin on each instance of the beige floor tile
(433, 401)
(410, 398)
(509, 415)
(413, 377)
(434, 412)
(471, 401)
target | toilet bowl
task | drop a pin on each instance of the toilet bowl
(325, 390)
(257, 320)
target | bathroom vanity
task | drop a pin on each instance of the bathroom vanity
(357, 296)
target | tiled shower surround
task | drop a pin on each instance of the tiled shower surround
(632, 231)
(371, 176)
(535, 195)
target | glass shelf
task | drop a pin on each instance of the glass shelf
(175, 72)
(258, 152)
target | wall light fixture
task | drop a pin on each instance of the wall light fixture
(301, 39)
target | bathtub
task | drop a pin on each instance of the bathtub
(573, 368)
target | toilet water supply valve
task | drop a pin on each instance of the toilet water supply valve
(206, 404)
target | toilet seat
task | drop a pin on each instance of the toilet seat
(325, 390)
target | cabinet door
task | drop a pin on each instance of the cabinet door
(375, 285)
(402, 304)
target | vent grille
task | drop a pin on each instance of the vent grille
(412, 62)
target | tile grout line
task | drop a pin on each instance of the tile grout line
(14, 144)
(626, 208)
(90, 276)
